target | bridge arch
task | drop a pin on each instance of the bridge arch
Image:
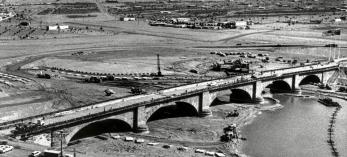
(177, 109)
(240, 95)
(220, 97)
(310, 79)
(279, 86)
(98, 127)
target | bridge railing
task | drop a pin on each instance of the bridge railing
(107, 113)
(300, 66)
(233, 83)
(99, 115)
(3, 125)
(54, 112)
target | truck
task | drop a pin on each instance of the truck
(51, 153)
(45, 76)
(54, 153)
(26, 127)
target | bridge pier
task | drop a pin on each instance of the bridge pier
(258, 100)
(205, 113)
(256, 93)
(58, 138)
(297, 91)
(139, 120)
(142, 129)
(295, 84)
(204, 104)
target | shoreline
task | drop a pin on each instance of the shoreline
(334, 94)
(247, 115)
(306, 93)
(248, 120)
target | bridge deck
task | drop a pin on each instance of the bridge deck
(111, 107)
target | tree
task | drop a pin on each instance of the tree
(342, 89)
(294, 61)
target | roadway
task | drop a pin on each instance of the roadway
(103, 107)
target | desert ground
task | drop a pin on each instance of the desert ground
(100, 44)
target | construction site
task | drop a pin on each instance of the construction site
(63, 55)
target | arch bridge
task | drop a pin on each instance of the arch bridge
(132, 113)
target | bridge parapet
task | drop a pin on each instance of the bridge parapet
(205, 92)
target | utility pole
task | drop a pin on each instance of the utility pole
(61, 143)
(158, 66)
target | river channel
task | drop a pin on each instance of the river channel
(300, 129)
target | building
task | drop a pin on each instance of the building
(337, 20)
(181, 19)
(57, 27)
(165, 12)
(238, 65)
(127, 19)
(52, 28)
(240, 24)
(6, 15)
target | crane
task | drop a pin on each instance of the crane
(158, 66)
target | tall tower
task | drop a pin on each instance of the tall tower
(158, 66)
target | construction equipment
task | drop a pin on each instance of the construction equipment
(137, 91)
(26, 127)
(238, 65)
(109, 92)
(94, 79)
(158, 66)
(230, 132)
(46, 76)
(234, 113)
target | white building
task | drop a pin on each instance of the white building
(183, 19)
(240, 24)
(337, 20)
(127, 19)
(56, 27)
(63, 27)
(165, 12)
(52, 28)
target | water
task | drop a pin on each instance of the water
(297, 130)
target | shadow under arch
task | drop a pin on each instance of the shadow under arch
(179, 109)
(240, 96)
(279, 86)
(309, 80)
(100, 127)
(221, 98)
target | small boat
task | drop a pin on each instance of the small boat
(328, 102)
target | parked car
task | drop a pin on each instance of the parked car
(5, 148)
(35, 154)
